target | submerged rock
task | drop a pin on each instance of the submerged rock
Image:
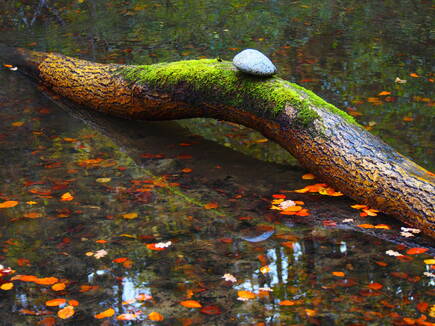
(254, 62)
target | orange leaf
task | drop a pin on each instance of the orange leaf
(32, 215)
(211, 205)
(67, 197)
(338, 274)
(416, 251)
(9, 203)
(191, 304)
(383, 93)
(73, 303)
(382, 226)
(375, 286)
(24, 278)
(287, 303)
(58, 287)
(246, 294)
(66, 312)
(186, 170)
(308, 176)
(265, 269)
(101, 241)
(130, 216)
(366, 226)
(413, 74)
(48, 321)
(106, 313)
(47, 280)
(143, 297)
(120, 260)
(55, 302)
(152, 246)
(155, 316)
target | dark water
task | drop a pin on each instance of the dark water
(133, 184)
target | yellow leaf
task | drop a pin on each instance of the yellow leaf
(103, 180)
(155, 316)
(66, 312)
(129, 216)
(9, 203)
(67, 197)
(7, 286)
(17, 123)
(191, 304)
(106, 313)
(265, 269)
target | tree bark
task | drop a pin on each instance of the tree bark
(324, 139)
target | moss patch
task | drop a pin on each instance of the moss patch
(209, 77)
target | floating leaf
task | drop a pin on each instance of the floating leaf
(47, 280)
(67, 197)
(58, 287)
(127, 316)
(103, 180)
(211, 310)
(416, 251)
(211, 205)
(191, 304)
(55, 302)
(120, 260)
(308, 176)
(155, 316)
(24, 278)
(143, 297)
(32, 215)
(66, 312)
(7, 286)
(8, 204)
(265, 269)
(130, 216)
(245, 295)
(287, 303)
(375, 286)
(106, 313)
(48, 321)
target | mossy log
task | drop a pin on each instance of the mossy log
(324, 139)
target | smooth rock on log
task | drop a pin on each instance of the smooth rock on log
(253, 62)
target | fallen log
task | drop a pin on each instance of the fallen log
(324, 139)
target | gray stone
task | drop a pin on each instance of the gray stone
(254, 62)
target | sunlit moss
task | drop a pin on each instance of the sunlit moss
(208, 77)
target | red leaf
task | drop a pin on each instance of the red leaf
(211, 310)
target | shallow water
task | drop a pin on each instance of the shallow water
(207, 186)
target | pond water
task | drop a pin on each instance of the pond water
(147, 218)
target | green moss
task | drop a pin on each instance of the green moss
(208, 77)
